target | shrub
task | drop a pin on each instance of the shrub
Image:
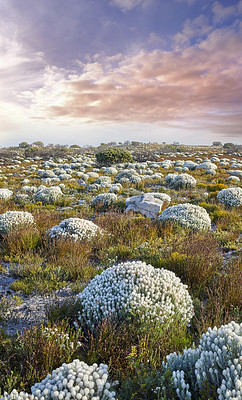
(231, 197)
(215, 187)
(5, 194)
(48, 195)
(104, 199)
(183, 181)
(74, 228)
(112, 156)
(213, 368)
(188, 215)
(14, 219)
(137, 288)
(74, 380)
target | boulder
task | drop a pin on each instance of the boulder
(148, 204)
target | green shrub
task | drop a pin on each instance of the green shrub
(112, 156)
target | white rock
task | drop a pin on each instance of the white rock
(148, 204)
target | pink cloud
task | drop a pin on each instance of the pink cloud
(199, 85)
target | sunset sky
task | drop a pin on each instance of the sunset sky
(90, 71)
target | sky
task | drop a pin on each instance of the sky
(91, 71)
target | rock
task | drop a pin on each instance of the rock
(148, 204)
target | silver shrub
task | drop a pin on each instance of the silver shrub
(74, 228)
(48, 195)
(5, 194)
(104, 198)
(12, 219)
(216, 363)
(75, 380)
(169, 177)
(188, 215)
(231, 197)
(183, 181)
(134, 286)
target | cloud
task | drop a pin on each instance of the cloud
(20, 68)
(196, 28)
(199, 85)
(221, 13)
(127, 5)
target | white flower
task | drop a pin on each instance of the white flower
(187, 215)
(136, 287)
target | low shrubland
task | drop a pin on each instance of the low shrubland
(135, 336)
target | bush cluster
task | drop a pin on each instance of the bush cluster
(113, 156)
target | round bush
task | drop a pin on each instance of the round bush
(188, 215)
(215, 363)
(5, 194)
(231, 197)
(74, 228)
(48, 195)
(128, 176)
(183, 181)
(170, 177)
(14, 219)
(75, 380)
(105, 199)
(137, 288)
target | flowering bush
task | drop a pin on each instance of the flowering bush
(166, 164)
(116, 188)
(170, 177)
(5, 194)
(105, 199)
(75, 380)
(111, 171)
(29, 189)
(48, 195)
(207, 165)
(215, 363)
(74, 228)
(128, 176)
(137, 288)
(13, 219)
(103, 180)
(236, 172)
(183, 181)
(231, 197)
(233, 178)
(191, 165)
(187, 215)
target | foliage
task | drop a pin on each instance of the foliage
(113, 155)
